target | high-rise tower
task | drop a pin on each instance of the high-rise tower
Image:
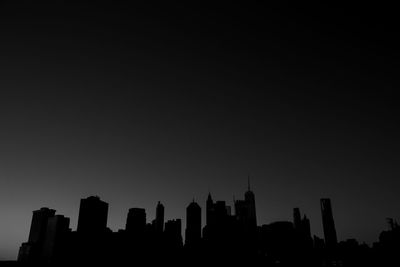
(31, 251)
(136, 221)
(209, 210)
(93, 214)
(328, 223)
(39, 224)
(251, 204)
(302, 229)
(193, 224)
(56, 235)
(173, 233)
(296, 218)
(159, 222)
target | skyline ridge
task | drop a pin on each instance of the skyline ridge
(51, 241)
(159, 202)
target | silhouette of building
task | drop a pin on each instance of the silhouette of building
(136, 221)
(302, 228)
(159, 221)
(241, 211)
(31, 251)
(219, 234)
(221, 212)
(306, 228)
(193, 224)
(388, 247)
(296, 218)
(302, 238)
(56, 235)
(210, 210)
(251, 203)
(319, 250)
(328, 224)
(245, 212)
(216, 212)
(173, 233)
(93, 214)
(25, 252)
(39, 224)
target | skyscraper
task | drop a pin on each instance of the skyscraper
(245, 211)
(328, 223)
(306, 229)
(220, 212)
(302, 229)
(56, 234)
(296, 219)
(159, 222)
(209, 210)
(173, 233)
(193, 224)
(93, 214)
(39, 224)
(241, 212)
(136, 221)
(251, 202)
(31, 251)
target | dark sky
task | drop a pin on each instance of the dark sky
(140, 103)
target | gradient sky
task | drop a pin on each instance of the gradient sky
(140, 103)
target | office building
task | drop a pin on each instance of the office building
(93, 214)
(193, 224)
(328, 224)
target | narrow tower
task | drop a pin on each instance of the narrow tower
(209, 210)
(251, 204)
(159, 223)
(328, 223)
(193, 225)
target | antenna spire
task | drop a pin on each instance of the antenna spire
(248, 182)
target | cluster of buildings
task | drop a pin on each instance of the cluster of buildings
(227, 236)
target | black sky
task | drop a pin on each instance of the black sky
(139, 103)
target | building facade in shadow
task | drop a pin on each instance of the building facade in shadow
(328, 224)
(31, 251)
(193, 225)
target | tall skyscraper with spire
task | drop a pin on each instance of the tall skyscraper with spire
(245, 211)
(251, 204)
(159, 222)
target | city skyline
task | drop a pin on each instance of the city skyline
(316, 222)
(235, 210)
(225, 233)
(140, 103)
